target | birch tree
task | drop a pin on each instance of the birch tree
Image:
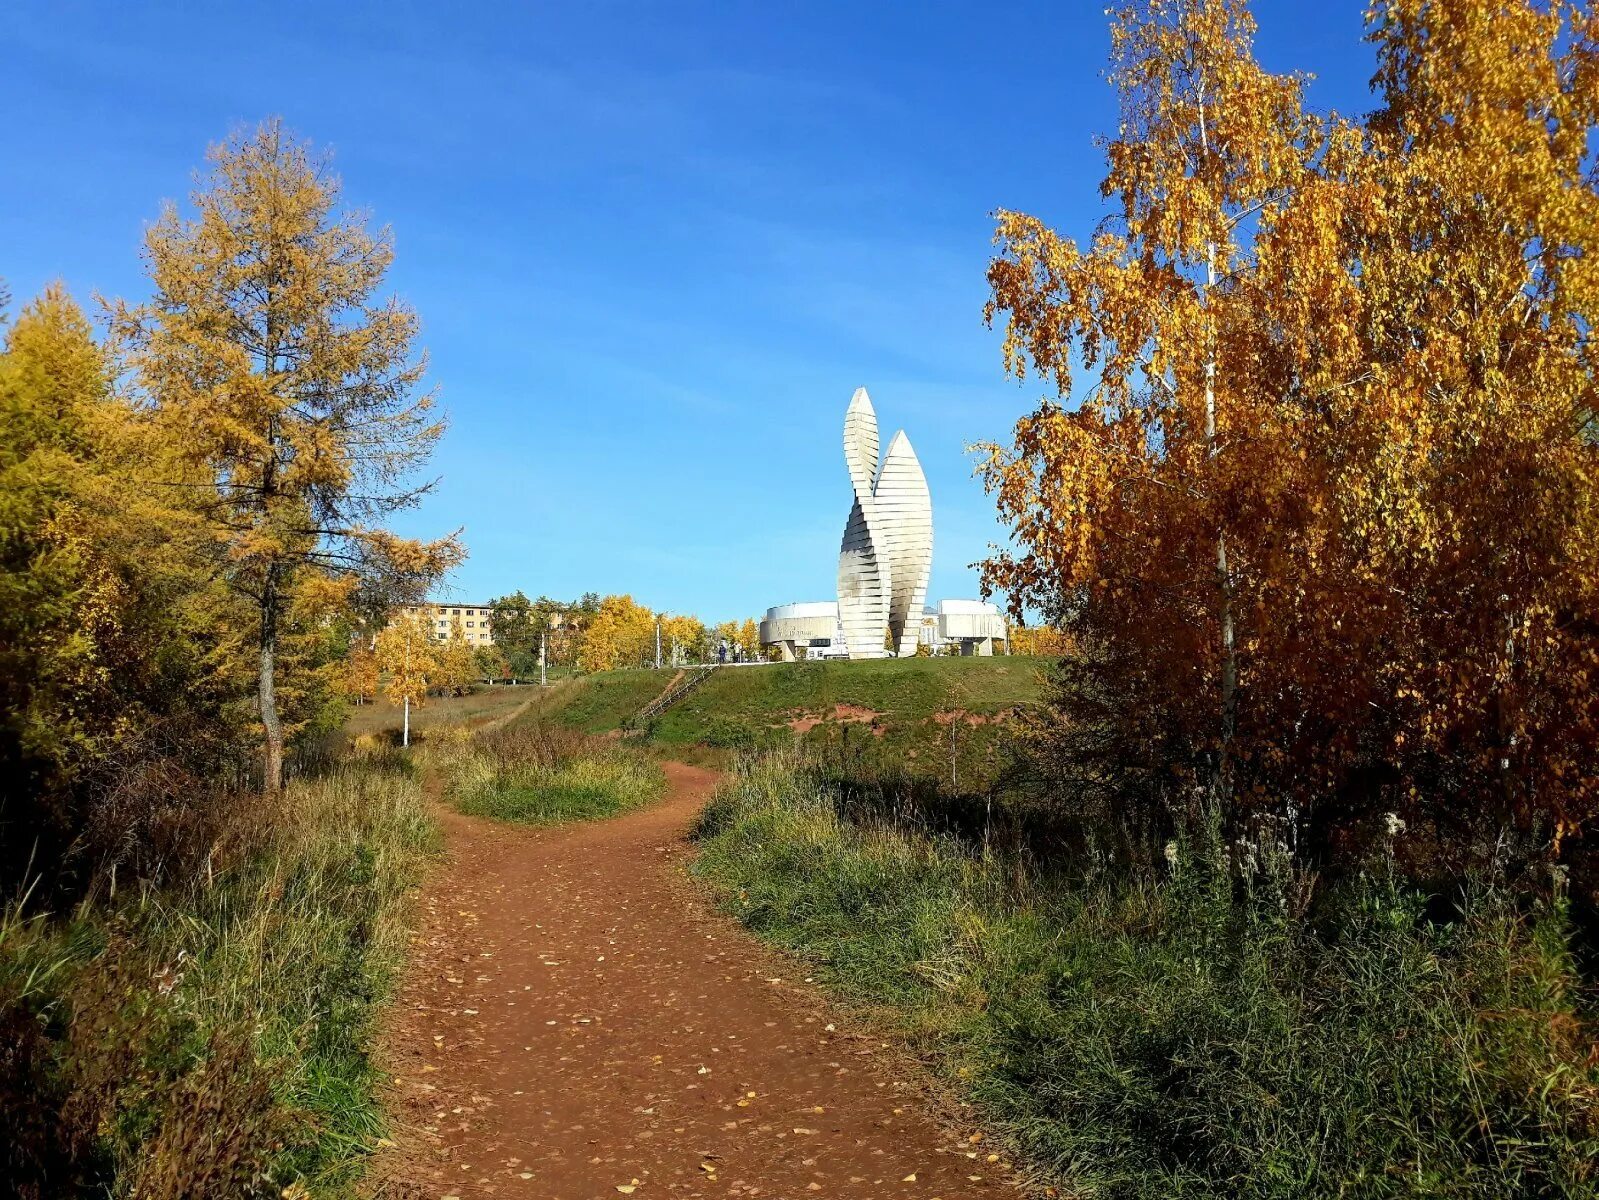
(1208, 141)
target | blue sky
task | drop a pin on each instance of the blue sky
(655, 247)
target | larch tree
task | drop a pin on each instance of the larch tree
(290, 382)
(361, 674)
(119, 676)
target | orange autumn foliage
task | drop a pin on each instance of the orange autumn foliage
(1317, 498)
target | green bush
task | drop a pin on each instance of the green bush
(1194, 1034)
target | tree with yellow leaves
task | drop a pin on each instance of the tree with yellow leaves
(119, 671)
(1041, 641)
(683, 638)
(620, 634)
(1209, 144)
(457, 665)
(1321, 520)
(407, 656)
(268, 355)
(749, 639)
(361, 675)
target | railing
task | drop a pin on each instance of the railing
(691, 679)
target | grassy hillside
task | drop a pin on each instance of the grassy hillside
(886, 693)
(603, 702)
(923, 715)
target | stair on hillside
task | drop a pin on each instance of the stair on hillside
(681, 687)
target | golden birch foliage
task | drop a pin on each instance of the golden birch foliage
(268, 354)
(1387, 325)
(749, 638)
(406, 656)
(1129, 495)
(457, 665)
(620, 634)
(686, 633)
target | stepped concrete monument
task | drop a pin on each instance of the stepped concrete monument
(887, 552)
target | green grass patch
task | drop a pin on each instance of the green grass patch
(605, 701)
(900, 691)
(214, 1036)
(1190, 1035)
(535, 773)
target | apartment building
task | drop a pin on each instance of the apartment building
(438, 618)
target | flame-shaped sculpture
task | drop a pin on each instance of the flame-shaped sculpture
(888, 542)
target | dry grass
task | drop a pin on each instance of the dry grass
(536, 773)
(212, 1036)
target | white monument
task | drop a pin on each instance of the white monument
(888, 541)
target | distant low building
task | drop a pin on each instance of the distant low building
(969, 627)
(813, 630)
(438, 618)
(812, 627)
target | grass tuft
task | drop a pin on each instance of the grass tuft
(540, 774)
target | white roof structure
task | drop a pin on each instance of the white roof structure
(970, 620)
(887, 551)
(967, 608)
(803, 609)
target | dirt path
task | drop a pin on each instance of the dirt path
(576, 1025)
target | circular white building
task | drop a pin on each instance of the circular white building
(810, 625)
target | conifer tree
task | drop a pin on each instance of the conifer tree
(285, 378)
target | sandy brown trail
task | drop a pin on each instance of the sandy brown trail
(575, 1023)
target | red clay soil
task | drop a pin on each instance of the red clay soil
(844, 714)
(576, 1024)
